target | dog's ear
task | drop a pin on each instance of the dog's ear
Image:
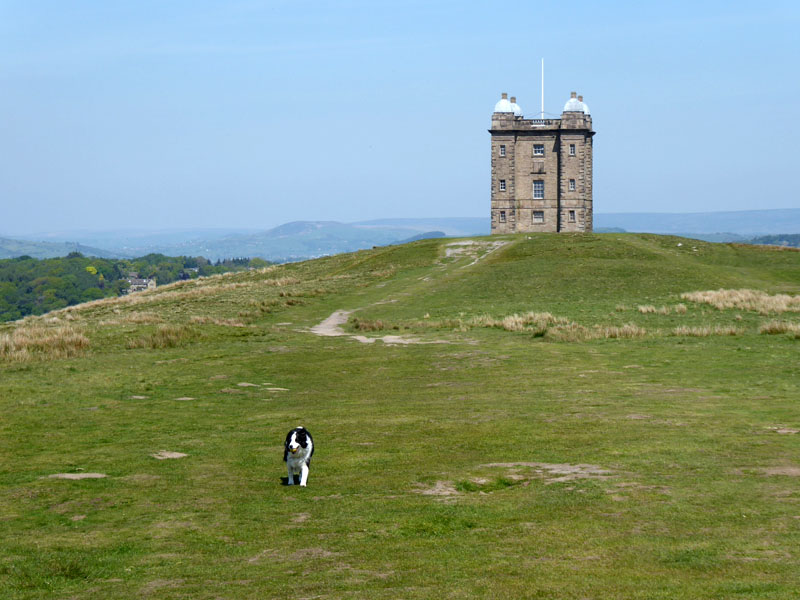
(286, 445)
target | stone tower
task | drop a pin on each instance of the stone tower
(541, 169)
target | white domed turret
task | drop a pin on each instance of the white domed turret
(503, 106)
(515, 107)
(573, 104)
(585, 106)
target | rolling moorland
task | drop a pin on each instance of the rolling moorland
(543, 416)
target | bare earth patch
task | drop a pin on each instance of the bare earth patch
(184, 398)
(141, 477)
(165, 454)
(245, 384)
(553, 473)
(440, 488)
(472, 249)
(790, 471)
(138, 397)
(157, 584)
(77, 476)
(301, 518)
(331, 327)
(268, 553)
(784, 430)
(305, 553)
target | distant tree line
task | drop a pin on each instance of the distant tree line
(31, 286)
(781, 239)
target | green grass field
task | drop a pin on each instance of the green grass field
(613, 440)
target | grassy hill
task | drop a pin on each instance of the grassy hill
(544, 416)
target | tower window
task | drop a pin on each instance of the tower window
(502, 185)
(571, 216)
(571, 185)
(502, 216)
(538, 190)
(538, 149)
(572, 149)
(502, 149)
(538, 216)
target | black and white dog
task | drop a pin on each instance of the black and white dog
(297, 452)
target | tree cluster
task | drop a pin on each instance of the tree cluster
(781, 239)
(30, 286)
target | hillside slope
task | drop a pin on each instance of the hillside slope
(534, 416)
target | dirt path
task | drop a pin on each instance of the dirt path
(477, 250)
(470, 249)
(331, 327)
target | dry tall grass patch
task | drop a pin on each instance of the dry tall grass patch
(134, 318)
(745, 299)
(281, 281)
(39, 342)
(572, 332)
(541, 325)
(166, 336)
(649, 308)
(707, 330)
(201, 320)
(778, 327)
(368, 324)
(530, 322)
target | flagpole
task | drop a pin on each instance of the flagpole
(542, 89)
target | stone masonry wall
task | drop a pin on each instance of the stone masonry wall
(562, 209)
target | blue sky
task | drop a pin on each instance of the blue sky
(154, 114)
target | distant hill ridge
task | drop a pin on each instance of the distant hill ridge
(298, 240)
(11, 248)
(748, 223)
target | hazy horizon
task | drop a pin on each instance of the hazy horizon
(249, 115)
